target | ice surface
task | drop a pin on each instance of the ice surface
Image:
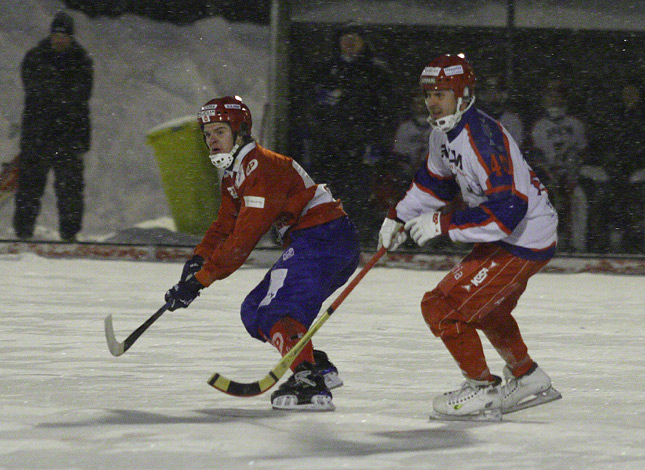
(66, 403)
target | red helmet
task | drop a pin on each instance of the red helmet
(449, 72)
(228, 109)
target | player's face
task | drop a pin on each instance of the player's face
(441, 103)
(219, 137)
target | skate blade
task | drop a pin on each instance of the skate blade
(547, 396)
(487, 415)
(290, 402)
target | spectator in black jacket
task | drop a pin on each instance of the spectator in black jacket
(353, 123)
(57, 76)
(625, 163)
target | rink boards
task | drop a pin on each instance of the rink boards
(265, 257)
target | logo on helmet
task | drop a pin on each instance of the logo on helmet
(229, 109)
(432, 71)
(453, 70)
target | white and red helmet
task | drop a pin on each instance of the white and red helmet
(228, 109)
(454, 73)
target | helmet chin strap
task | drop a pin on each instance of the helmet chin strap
(225, 159)
(447, 123)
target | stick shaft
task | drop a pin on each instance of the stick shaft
(240, 389)
(117, 348)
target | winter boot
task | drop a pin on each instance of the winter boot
(328, 370)
(476, 400)
(532, 389)
(304, 390)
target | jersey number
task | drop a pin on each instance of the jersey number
(499, 164)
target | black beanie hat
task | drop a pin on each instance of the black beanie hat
(63, 23)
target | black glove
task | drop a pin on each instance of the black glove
(193, 265)
(183, 293)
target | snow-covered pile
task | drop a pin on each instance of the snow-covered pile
(146, 73)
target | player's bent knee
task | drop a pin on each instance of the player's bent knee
(436, 311)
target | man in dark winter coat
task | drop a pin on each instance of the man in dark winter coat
(353, 123)
(57, 76)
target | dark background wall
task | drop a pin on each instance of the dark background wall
(178, 11)
(592, 64)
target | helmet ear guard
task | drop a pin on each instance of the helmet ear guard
(244, 129)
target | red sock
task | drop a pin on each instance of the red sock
(505, 336)
(285, 334)
(466, 349)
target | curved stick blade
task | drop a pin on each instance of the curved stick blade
(115, 347)
(239, 389)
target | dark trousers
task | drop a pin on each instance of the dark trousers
(349, 179)
(68, 187)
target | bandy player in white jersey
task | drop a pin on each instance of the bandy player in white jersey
(506, 214)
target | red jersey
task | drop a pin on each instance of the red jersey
(262, 189)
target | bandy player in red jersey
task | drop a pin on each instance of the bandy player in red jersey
(261, 189)
(510, 221)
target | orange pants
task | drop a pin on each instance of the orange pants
(480, 293)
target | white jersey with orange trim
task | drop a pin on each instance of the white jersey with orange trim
(506, 202)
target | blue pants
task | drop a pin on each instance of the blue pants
(318, 261)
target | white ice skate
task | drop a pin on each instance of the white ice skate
(474, 401)
(532, 389)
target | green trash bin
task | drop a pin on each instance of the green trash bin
(189, 179)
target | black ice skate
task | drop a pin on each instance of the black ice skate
(304, 390)
(327, 369)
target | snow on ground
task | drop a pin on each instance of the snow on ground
(66, 403)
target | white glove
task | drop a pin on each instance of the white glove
(391, 236)
(424, 227)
